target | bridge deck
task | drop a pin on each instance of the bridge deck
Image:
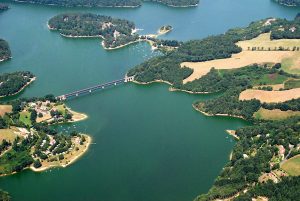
(94, 88)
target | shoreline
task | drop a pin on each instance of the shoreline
(20, 90)
(83, 116)
(233, 134)
(190, 92)
(41, 169)
(212, 115)
(155, 81)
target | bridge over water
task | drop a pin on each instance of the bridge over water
(94, 88)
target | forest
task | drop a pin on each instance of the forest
(11, 83)
(110, 3)
(5, 52)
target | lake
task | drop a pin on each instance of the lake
(149, 144)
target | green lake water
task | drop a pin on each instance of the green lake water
(149, 144)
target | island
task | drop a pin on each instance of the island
(28, 141)
(13, 83)
(254, 70)
(110, 3)
(116, 33)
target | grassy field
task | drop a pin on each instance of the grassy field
(275, 114)
(270, 96)
(25, 118)
(291, 84)
(5, 109)
(292, 166)
(8, 135)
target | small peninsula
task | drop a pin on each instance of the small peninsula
(116, 33)
(5, 52)
(263, 160)
(110, 3)
(27, 140)
(13, 83)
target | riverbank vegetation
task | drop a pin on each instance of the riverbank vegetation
(261, 147)
(110, 3)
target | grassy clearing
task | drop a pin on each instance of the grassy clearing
(5, 109)
(61, 108)
(8, 135)
(275, 114)
(270, 96)
(25, 118)
(291, 84)
(292, 166)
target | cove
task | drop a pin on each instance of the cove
(149, 144)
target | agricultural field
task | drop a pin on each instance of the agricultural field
(5, 109)
(8, 135)
(292, 166)
(270, 96)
